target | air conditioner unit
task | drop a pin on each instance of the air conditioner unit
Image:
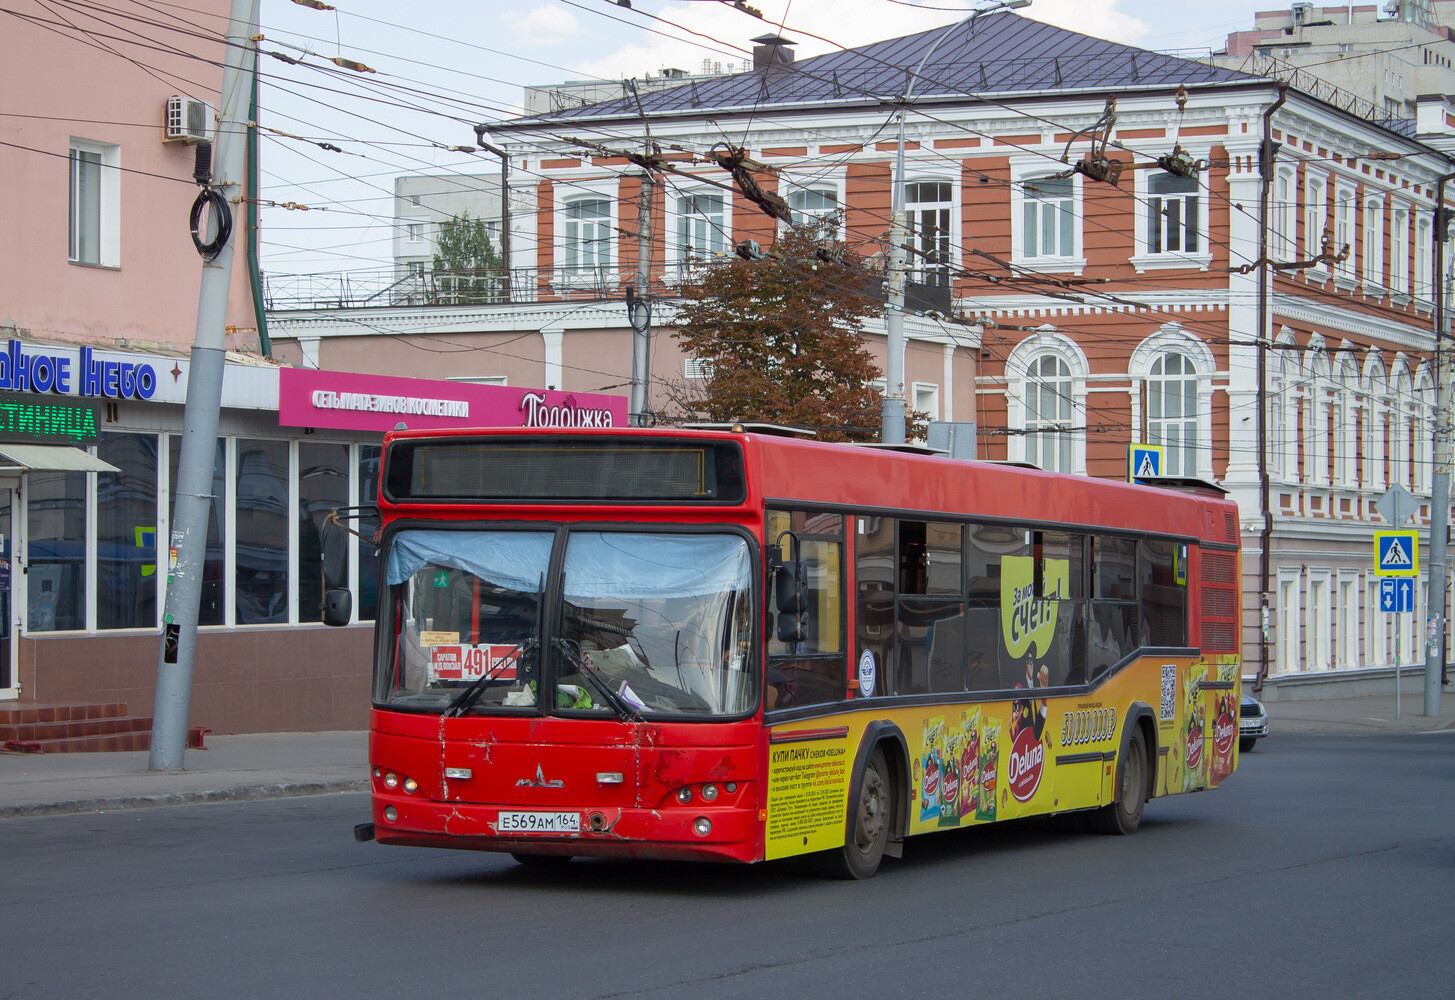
(188, 120)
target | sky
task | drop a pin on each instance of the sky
(440, 67)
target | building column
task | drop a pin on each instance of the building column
(553, 341)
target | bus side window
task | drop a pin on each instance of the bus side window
(811, 672)
(986, 545)
(1164, 594)
(1114, 610)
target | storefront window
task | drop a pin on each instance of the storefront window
(56, 555)
(323, 549)
(212, 605)
(369, 456)
(262, 531)
(126, 532)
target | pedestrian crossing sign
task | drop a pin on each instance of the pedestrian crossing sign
(1396, 553)
(1144, 461)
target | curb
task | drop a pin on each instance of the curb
(241, 793)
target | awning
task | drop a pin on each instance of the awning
(52, 458)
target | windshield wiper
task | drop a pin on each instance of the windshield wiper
(587, 671)
(466, 699)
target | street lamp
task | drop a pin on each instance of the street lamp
(891, 414)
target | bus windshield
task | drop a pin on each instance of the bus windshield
(467, 605)
(650, 623)
(663, 620)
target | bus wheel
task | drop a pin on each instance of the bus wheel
(542, 862)
(1124, 814)
(864, 848)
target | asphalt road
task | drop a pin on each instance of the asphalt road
(1322, 868)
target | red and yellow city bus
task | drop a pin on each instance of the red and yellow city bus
(730, 644)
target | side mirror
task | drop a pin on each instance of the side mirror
(338, 606)
(790, 588)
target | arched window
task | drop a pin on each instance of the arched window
(1172, 411)
(1376, 387)
(1278, 417)
(1048, 413)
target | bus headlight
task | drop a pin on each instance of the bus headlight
(702, 826)
(410, 785)
(684, 795)
(391, 780)
(709, 792)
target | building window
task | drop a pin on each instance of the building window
(1422, 259)
(1316, 219)
(1344, 206)
(94, 203)
(212, 608)
(1172, 214)
(261, 514)
(697, 368)
(414, 232)
(815, 206)
(368, 588)
(56, 553)
(1399, 251)
(1048, 222)
(414, 268)
(1048, 414)
(586, 236)
(927, 209)
(1374, 242)
(701, 227)
(1172, 412)
(323, 548)
(1285, 243)
(126, 532)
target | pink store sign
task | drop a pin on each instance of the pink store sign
(347, 401)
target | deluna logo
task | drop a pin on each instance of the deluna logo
(22, 372)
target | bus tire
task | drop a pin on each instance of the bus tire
(869, 822)
(542, 862)
(1123, 814)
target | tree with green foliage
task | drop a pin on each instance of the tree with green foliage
(781, 339)
(467, 267)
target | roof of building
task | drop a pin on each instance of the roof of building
(1000, 53)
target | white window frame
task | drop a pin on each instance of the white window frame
(790, 184)
(1346, 653)
(478, 379)
(1346, 219)
(1290, 621)
(919, 266)
(1318, 623)
(1144, 259)
(678, 262)
(1029, 171)
(568, 192)
(927, 398)
(1373, 249)
(696, 369)
(108, 239)
(1172, 338)
(1048, 341)
(1285, 214)
(1315, 219)
(1399, 250)
(415, 230)
(1424, 242)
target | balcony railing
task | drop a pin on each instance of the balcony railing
(388, 288)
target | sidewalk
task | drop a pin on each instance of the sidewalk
(1358, 715)
(231, 769)
(276, 765)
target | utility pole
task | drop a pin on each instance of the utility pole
(199, 421)
(891, 410)
(1440, 481)
(640, 308)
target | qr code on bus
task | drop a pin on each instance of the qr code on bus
(1169, 692)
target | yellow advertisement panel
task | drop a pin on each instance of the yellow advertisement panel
(982, 762)
(808, 791)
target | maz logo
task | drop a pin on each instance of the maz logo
(540, 781)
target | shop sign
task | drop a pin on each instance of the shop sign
(44, 420)
(350, 401)
(88, 375)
